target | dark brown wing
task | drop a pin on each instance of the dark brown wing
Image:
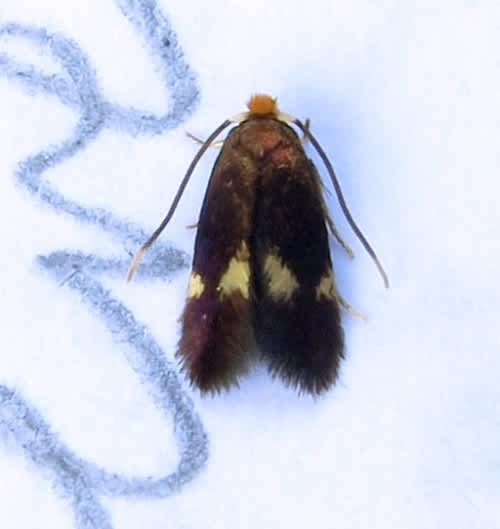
(217, 333)
(297, 317)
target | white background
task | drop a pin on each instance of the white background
(405, 97)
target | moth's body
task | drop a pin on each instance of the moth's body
(262, 277)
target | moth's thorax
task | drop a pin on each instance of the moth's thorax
(269, 140)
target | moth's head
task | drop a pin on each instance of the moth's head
(263, 106)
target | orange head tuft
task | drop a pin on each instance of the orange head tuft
(262, 104)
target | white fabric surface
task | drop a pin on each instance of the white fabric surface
(97, 427)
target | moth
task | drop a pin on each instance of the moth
(262, 281)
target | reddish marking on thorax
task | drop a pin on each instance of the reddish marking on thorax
(266, 142)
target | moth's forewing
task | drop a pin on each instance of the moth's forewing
(296, 312)
(216, 336)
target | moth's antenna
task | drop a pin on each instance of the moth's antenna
(341, 199)
(144, 248)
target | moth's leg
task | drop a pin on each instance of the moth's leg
(339, 238)
(329, 220)
(217, 144)
(307, 125)
(349, 309)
